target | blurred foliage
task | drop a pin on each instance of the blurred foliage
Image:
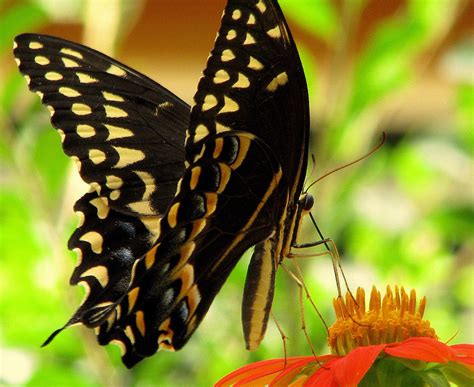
(403, 216)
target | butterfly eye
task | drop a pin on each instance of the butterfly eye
(307, 202)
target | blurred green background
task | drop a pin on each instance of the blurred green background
(404, 216)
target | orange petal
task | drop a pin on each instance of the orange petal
(421, 348)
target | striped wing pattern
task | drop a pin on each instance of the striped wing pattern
(238, 173)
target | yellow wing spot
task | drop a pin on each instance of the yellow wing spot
(261, 6)
(251, 20)
(227, 55)
(187, 279)
(242, 82)
(200, 132)
(102, 207)
(100, 273)
(165, 339)
(120, 345)
(80, 218)
(114, 195)
(94, 239)
(225, 172)
(69, 51)
(40, 94)
(51, 110)
(153, 225)
(113, 182)
(76, 161)
(218, 144)
(68, 92)
(210, 101)
(230, 106)
(53, 76)
(28, 79)
(85, 131)
(140, 322)
(254, 64)
(222, 128)
(211, 203)
(249, 39)
(194, 298)
(236, 14)
(221, 76)
(198, 226)
(150, 257)
(117, 132)
(85, 78)
(94, 187)
(173, 215)
(112, 97)
(35, 45)
(17, 61)
(81, 109)
(42, 60)
(78, 252)
(132, 298)
(114, 112)
(69, 62)
(280, 80)
(141, 207)
(15, 44)
(243, 149)
(115, 70)
(274, 32)
(231, 34)
(128, 156)
(200, 154)
(129, 333)
(62, 135)
(185, 252)
(195, 173)
(148, 181)
(87, 290)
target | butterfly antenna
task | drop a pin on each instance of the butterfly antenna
(351, 163)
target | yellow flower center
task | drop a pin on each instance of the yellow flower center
(392, 319)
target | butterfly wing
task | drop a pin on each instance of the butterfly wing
(126, 134)
(244, 154)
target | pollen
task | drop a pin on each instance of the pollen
(393, 318)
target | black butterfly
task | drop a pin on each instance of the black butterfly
(179, 194)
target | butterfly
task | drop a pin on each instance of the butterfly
(179, 193)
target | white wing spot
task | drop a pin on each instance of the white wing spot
(227, 55)
(68, 92)
(249, 39)
(85, 131)
(81, 109)
(96, 156)
(42, 60)
(221, 76)
(115, 70)
(69, 51)
(17, 61)
(210, 101)
(112, 97)
(40, 94)
(114, 112)
(69, 62)
(62, 135)
(85, 78)
(53, 76)
(51, 110)
(35, 45)
(76, 161)
(274, 32)
(117, 132)
(28, 79)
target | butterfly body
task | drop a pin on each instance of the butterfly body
(178, 194)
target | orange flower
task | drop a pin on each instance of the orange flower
(387, 344)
